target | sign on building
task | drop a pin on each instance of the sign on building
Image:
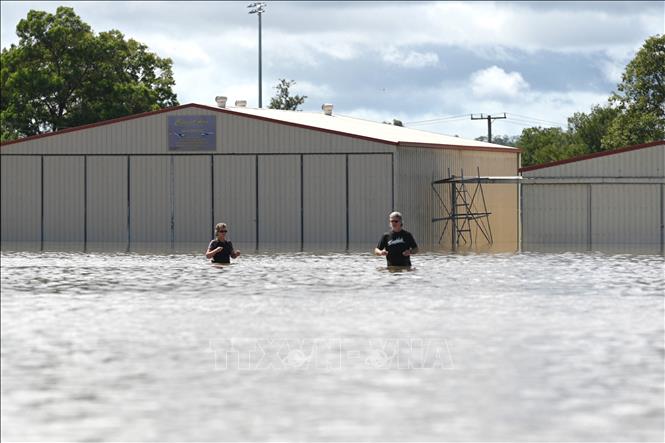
(192, 133)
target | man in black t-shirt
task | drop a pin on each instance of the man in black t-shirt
(397, 245)
(220, 250)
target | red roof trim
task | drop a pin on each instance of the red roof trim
(507, 149)
(592, 155)
(256, 117)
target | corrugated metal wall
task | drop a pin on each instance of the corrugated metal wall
(235, 134)
(610, 200)
(118, 185)
(153, 202)
(21, 188)
(107, 204)
(646, 162)
(555, 214)
(235, 198)
(417, 168)
(64, 190)
(324, 200)
(279, 200)
(370, 197)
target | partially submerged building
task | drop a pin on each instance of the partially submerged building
(280, 179)
(606, 198)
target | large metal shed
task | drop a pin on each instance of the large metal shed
(281, 179)
(607, 198)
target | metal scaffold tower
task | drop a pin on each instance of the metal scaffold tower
(467, 208)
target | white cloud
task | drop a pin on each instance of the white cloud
(411, 59)
(495, 82)
(326, 45)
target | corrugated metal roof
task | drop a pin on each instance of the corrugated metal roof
(363, 128)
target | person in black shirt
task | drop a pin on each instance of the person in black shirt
(220, 250)
(397, 245)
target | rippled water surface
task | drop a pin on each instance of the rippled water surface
(466, 347)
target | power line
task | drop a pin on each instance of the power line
(435, 120)
(534, 123)
(535, 119)
(519, 123)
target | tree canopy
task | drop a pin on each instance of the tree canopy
(283, 98)
(634, 114)
(62, 75)
(640, 98)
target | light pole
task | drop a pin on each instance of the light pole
(258, 8)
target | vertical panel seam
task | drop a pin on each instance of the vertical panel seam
(212, 190)
(662, 218)
(302, 205)
(85, 203)
(256, 198)
(129, 205)
(172, 202)
(392, 182)
(589, 221)
(41, 239)
(347, 201)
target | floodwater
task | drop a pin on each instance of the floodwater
(528, 346)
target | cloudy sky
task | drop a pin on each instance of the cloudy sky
(429, 64)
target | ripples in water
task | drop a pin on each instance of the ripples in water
(531, 347)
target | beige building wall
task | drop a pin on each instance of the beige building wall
(417, 168)
(279, 200)
(21, 188)
(150, 200)
(235, 134)
(192, 200)
(615, 199)
(63, 202)
(107, 201)
(289, 186)
(235, 198)
(555, 214)
(645, 162)
(370, 198)
(324, 201)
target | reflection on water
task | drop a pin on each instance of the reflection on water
(301, 346)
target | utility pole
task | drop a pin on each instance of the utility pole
(489, 119)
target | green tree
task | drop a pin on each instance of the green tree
(62, 75)
(592, 127)
(283, 99)
(640, 98)
(541, 145)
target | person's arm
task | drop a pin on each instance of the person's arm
(413, 247)
(381, 247)
(410, 251)
(234, 253)
(210, 253)
(378, 251)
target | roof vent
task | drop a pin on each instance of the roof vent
(327, 108)
(241, 103)
(221, 101)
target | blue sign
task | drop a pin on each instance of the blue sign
(192, 133)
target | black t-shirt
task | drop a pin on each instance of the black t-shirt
(223, 256)
(396, 243)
